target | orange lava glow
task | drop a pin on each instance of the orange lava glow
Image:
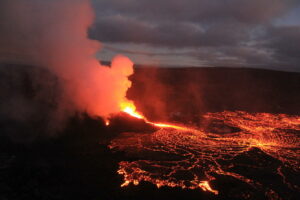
(129, 108)
(189, 158)
(204, 185)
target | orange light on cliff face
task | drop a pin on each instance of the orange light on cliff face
(129, 108)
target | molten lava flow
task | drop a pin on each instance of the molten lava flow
(258, 143)
(129, 108)
(107, 122)
(204, 185)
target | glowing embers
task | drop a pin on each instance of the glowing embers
(196, 159)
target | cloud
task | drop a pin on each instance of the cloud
(171, 34)
(254, 11)
(285, 41)
(237, 29)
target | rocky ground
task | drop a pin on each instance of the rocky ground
(78, 164)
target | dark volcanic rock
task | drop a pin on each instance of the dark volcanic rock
(75, 166)
(219, 127)
(191, 92)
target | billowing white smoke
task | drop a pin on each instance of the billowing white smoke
(53, 34)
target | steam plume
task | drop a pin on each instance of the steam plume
(52, 34)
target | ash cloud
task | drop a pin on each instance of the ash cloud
(45, 45)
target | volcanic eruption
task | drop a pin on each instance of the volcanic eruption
(49, 74)
(53, 36)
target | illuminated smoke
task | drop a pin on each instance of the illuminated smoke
(53, 34)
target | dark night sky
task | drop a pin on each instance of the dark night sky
(256, 33)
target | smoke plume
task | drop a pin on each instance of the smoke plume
(53, 35)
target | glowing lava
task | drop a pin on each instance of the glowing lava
(129, 108)
(196, 159)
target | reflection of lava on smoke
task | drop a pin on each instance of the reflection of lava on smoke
(260, 146)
